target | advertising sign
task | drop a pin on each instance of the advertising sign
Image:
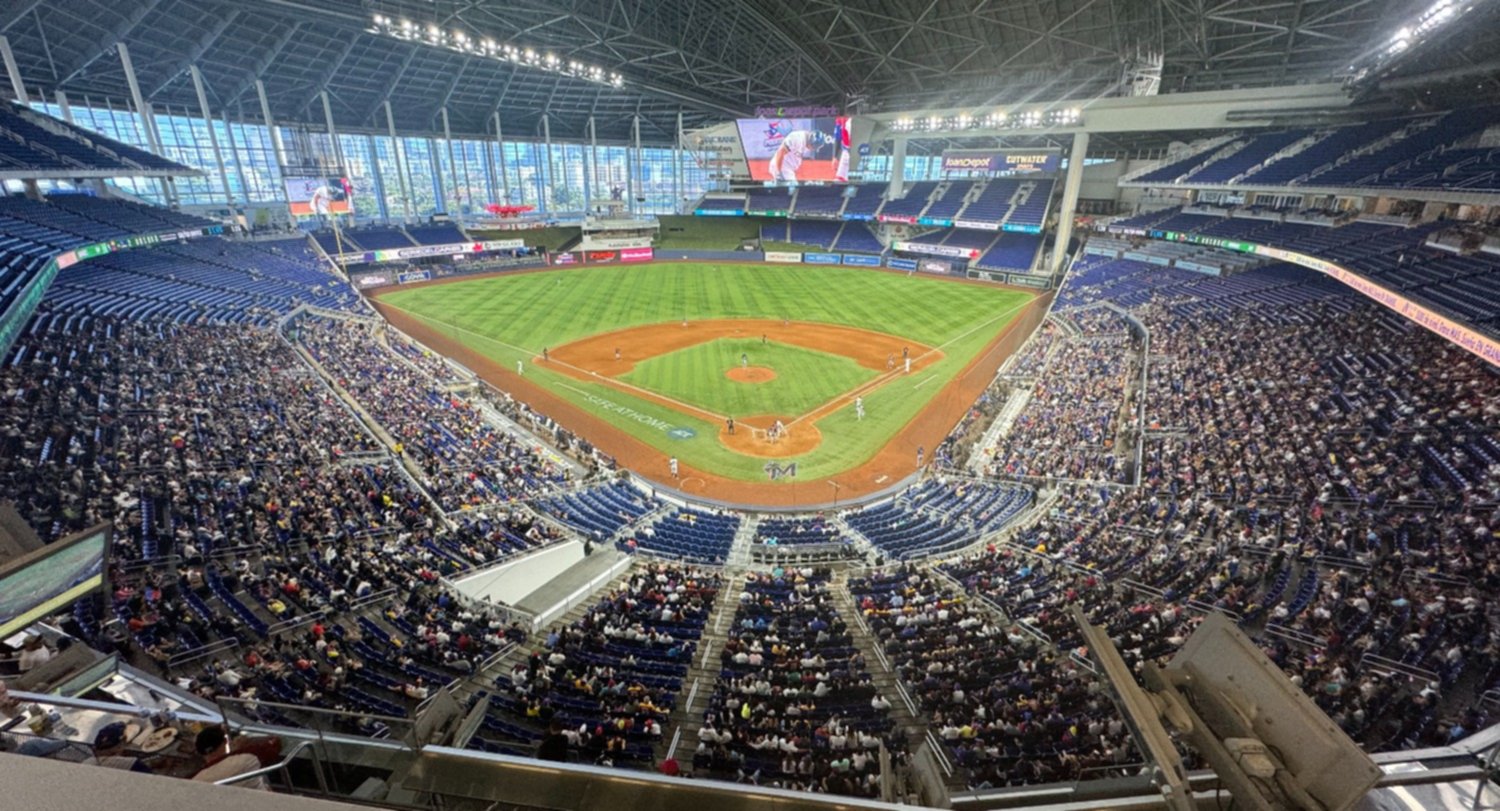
(564, 259)
(410, 276)
(897, 263)
(637, 255)
(987, 160)
(934, 265)
(783, 256)
(863, 260)
(600, 257)
(821, 258)
(937, 250)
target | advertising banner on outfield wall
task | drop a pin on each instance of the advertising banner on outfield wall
(368, 280)
(820, 258)
(934, 266)
(600, 257)
(863, 260)
(637, 255)
(897, 263)
(783, 256)
(937, 250)
(413, 276)
(564, 259)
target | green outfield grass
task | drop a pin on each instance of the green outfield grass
(511, 318)
(805, 379)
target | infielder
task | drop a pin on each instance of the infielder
(672, 466)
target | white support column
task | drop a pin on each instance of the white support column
(1065, 215)
(677, 164)
(491, 185)
(213, 138)
(452, 164)
(588, 182)
(148, 123)
(547, 174)
(396, 152)
(373, 159)
(62, 103)
(239, 166)
(439, 194)
(594, 159)
(265, 114)
(333, 134)
(633, 167)
(17, 87)
(898, 168)
(504, 174)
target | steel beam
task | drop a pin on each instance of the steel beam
(213, 138)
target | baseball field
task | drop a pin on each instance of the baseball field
(653, 362)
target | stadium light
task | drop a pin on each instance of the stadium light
(996, 120)
(460, 42)
(1437, 16)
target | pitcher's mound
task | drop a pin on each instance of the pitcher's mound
(750, 374)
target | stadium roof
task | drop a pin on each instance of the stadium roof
(708, 59)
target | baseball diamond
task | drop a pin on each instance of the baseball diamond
(632, 353)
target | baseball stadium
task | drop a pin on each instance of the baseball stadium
(464, 405)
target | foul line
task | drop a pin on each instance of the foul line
(607, 381)
(887, 377)
(692, 410)
(929, 379)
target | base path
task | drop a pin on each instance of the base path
(889, 465)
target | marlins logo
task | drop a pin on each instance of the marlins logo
(775, 471)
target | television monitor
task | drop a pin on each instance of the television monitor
(797, 150)
(39, 583)
(318, 196)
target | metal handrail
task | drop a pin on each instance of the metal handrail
(285, 761)
(193, 654)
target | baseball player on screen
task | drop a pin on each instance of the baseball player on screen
(841, 138)
(797, 146)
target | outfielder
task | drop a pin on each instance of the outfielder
(859, 408)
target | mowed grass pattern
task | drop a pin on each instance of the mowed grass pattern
(805, 379)
(511, 318)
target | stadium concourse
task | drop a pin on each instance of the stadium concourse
(1254, 378)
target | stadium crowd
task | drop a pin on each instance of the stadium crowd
(794, 706)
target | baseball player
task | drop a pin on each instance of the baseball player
(841, 143)
(797, 146)
(859, 408)
(672, 466)
(744, 361)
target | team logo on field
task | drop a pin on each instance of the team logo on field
(682, 432)
(776, 471)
